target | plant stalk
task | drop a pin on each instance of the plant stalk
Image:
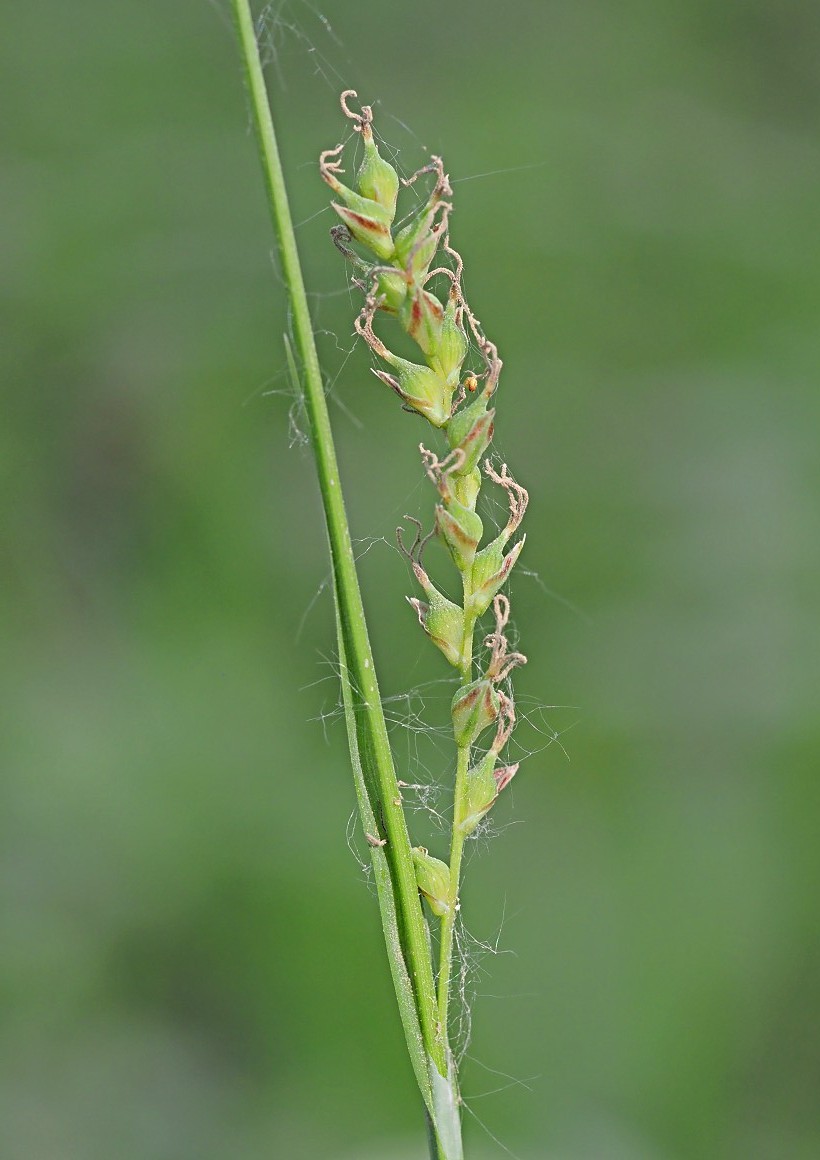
(448, 922)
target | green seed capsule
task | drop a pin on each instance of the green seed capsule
(421, 316)
(485, 781)
(461, 530)
(490, 570)
(378, 180)
(450, 349)
(442, 620)
(466, 488)
(391, 291)
(370, 227)
(420, 388)
(417, 243)
(481, 792)
(471, 429)
(475, 707)
(433, 878)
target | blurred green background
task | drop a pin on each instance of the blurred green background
(191, 961)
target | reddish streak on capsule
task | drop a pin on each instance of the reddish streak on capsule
(415, 319)
(367, 223)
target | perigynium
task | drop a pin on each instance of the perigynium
(412, 275)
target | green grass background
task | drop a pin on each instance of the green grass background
(191, 964)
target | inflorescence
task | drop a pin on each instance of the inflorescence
(396, 278)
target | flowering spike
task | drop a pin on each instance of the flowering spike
(459, 404)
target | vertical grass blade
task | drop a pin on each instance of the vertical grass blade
(384, 882)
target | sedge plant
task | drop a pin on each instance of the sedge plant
(401, 270)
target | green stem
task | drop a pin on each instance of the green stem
(448, 922)
(357, 646)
